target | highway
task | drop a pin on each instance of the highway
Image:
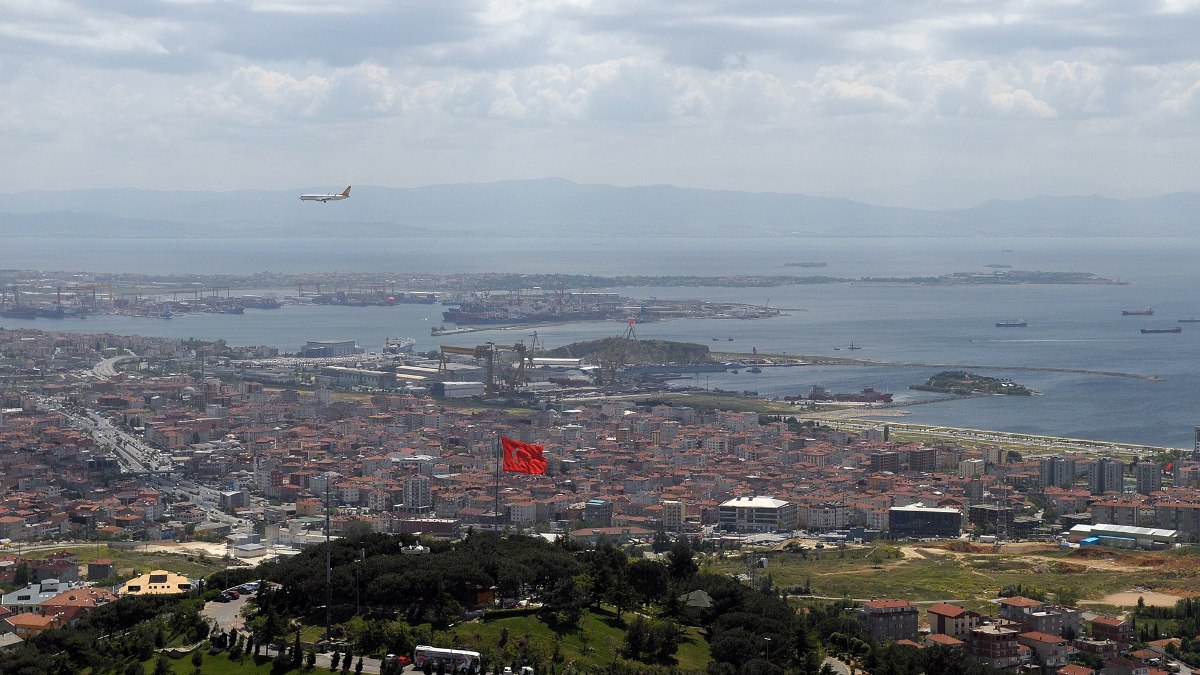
(137, 457)
(108, 367)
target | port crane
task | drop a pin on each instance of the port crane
(487, 352)
(614, 357)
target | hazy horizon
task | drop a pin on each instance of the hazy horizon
(938, 105)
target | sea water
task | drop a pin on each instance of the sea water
(1070, 326)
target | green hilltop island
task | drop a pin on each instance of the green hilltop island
(962, 383)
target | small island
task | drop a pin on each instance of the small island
(962, 383)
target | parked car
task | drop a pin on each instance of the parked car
(233, 594)
(224, 597)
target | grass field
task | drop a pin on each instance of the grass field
(125, 561)
(974, 579)
(596, 643)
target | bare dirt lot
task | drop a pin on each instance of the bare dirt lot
(1130, 599)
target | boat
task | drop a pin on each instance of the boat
(1012, 323)
(853, 347)
(755, 369)
(259, 303)
(18, 312)
(1176, 329)
(1191, 320)
(1142, 311)
(442, 330)
(398, 345)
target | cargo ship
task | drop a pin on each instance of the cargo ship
(18, 312)
(1190, 320)
(1176, 329)
(1143, 311)
(1012, 323)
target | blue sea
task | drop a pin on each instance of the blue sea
(1078, 327)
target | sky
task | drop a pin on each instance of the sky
(923, 103)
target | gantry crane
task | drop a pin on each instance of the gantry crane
(487, 352)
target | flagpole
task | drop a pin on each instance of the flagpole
(496, 517)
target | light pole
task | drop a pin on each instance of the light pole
(768, 640)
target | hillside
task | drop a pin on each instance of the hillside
(561, 208)
(635, 351)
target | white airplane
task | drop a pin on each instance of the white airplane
(344, 194)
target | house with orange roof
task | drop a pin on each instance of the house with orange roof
(1049, 651)
(1109, 628)
(940, 640)
(952, 620)
(72, 604)
(29, 624)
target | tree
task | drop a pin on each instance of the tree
(680, 562)
(335, 660)
(661, 542)
(162, 666)
(358, 667)
(21, 575)
(649, 579)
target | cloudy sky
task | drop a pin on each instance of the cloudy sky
(930, 103)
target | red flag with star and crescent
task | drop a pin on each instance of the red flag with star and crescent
(522, 457)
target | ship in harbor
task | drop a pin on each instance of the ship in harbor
(18, 312)
(1176, 329)
(398, 345)
(1140, 311)
(1012, 323)
(867, 395)
(1188, 320)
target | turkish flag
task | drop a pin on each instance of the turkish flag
(523, 457)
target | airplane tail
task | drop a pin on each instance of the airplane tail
(346, 192)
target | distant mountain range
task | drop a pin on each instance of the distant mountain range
(556, 207)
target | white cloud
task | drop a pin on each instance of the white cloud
(624, 91)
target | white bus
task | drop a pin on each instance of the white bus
(455, 659)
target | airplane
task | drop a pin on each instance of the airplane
(344, 194)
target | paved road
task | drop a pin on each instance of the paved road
(838, 666)
(107, 368)
(228, 614)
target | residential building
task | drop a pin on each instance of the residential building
(1149, 477)
(1108, 475)
(920, 522)
(756, 514)
(952, 620)
(1056, 472)
(1124, 666)
(995, 646)
(1049, 651)
(1119, 631)
(889, 620)
(1031, 615)
(158, 582)
(674, 515)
